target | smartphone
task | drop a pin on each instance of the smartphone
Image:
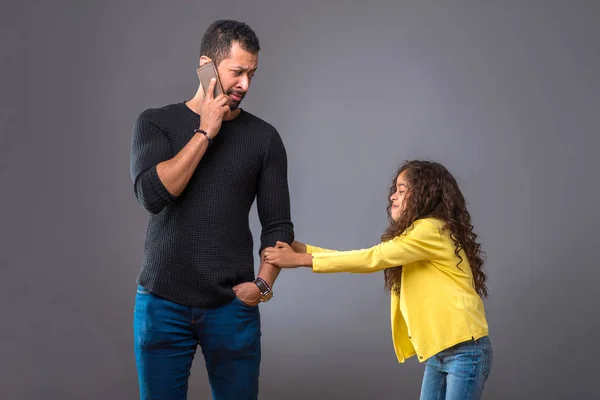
(205, 73)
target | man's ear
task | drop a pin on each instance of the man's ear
(204, 60)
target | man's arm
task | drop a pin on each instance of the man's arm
(273, 205)
(159, 176)
(299, 247)
(150, 146)
(268, 272)
(176, 173)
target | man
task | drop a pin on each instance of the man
(197, 167)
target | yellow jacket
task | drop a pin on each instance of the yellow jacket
(438, 306)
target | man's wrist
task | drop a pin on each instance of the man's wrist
(266, 293)
(206, 134)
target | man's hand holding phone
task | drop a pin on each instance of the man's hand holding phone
(213, 110)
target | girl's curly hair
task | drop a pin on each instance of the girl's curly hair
(433, 192)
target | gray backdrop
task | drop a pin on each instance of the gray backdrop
(504, 93)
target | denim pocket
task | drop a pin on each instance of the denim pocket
(488, 359)
(239, 301)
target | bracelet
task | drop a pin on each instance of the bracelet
(266, 293)
(264, 282)
(205, 134)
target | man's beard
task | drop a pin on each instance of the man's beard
(233, 105)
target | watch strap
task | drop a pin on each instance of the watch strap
(265, 290)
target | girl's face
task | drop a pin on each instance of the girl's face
(398, 197)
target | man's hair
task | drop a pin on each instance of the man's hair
(220, 35)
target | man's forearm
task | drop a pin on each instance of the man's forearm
(298, 247)
(177, 172)
(268, 272)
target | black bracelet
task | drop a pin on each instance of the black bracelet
(262, 282)
(205, 134)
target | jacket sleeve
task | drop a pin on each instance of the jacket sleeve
(314, 249)
(422, 241)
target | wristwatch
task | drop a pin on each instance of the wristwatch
(266, 293)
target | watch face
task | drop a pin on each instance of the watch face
(267, 296)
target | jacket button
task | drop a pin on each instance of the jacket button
(421, 357)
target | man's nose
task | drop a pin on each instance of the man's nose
(244, 83)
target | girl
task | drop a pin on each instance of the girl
(432, 266)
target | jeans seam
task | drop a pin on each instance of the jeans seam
(439, 368)
(484, 368)
(473, 375)
(441, 389)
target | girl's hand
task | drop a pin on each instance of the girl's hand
(282, 256)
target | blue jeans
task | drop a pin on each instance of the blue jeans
(459, 372)
(167, 334)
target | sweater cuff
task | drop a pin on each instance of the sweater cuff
(270, 239)
(155, 195)
(158, 186)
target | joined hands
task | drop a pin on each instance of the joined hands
(283, 256)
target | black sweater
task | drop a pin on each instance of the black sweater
(199, 244)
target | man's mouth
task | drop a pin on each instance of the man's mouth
(237, 97)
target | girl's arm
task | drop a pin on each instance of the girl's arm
(421, 242)
(300, 247)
